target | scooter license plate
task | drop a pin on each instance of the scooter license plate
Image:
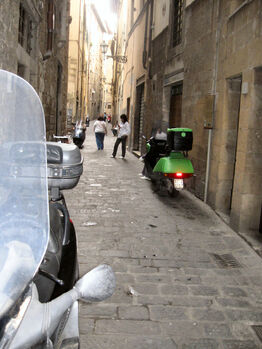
(178, 183)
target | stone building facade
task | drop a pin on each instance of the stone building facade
(201, 68)
(34, 45)
(222, 103)
(77, 63)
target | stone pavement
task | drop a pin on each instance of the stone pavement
(185, 280)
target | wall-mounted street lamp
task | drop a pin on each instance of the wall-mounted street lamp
(119, 59)
(104, 47)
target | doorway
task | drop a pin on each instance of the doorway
(260, 224)
(175, 114)
(128, 108)
(139, 116)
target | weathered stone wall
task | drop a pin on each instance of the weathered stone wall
(9, 17)
(134, 74)
(199, 63)
(42, 74)
(154, 101)
(240, 55)
(222, 89)
(52, 89)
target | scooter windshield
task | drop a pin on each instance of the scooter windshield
(24, 218)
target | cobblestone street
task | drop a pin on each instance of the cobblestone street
(185, 280)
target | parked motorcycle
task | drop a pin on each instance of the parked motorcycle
(39, 291)
(79, 134)
(166, 160)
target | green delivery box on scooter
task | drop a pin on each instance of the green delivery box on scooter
(176, 166)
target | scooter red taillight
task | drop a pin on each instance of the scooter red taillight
(178, 175)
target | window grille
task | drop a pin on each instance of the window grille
(29, 36)
(177, 22)
(25, 30)
(21, 29)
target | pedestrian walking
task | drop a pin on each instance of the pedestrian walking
(123, 132)
(114, 130)
(87, 121)
(100, 132)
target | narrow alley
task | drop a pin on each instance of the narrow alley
(184, 278)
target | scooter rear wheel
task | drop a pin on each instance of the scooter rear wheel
(172, 192)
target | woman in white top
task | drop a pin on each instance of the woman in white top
(123, 132)
(100, 132)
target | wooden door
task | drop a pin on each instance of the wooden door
(175, 114)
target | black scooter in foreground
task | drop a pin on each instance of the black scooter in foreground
(39, 289)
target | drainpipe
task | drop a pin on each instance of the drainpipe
(150, 39)
(214, 86)
(145, 39)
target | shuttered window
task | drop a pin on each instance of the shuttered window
(25, 30)
(177, 22)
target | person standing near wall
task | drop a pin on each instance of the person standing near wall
(123, 132)
(100, 132)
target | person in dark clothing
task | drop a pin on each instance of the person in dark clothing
(157, 146)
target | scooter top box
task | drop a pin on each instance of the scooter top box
(64, 165)
(180, 139)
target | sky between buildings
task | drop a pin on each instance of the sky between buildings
(104, 9)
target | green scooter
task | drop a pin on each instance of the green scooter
(166, 160)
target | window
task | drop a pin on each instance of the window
(21, 29)
(50, 24)
(25, 30)
(177, 22)
(21, 70)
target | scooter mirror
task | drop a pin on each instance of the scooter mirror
(96, 285)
